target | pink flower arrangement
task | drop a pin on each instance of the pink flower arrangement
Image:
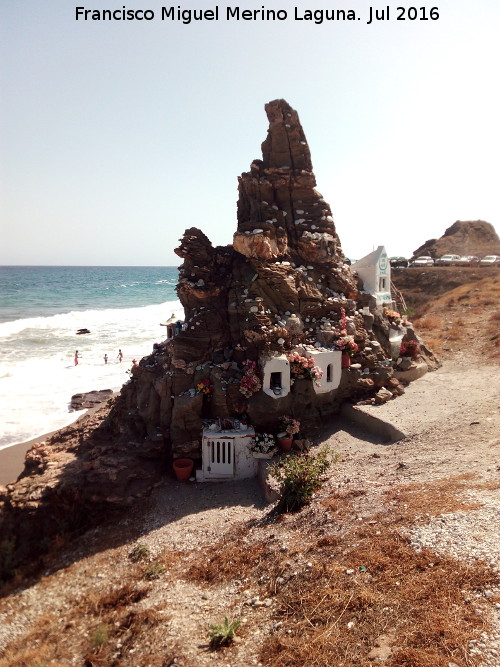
(290, 425)
(303, 366)
(347, 345)
(392, 314)
(250, 383)
(409, 348)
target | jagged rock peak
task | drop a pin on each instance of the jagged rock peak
(281, 215)
(285, 146)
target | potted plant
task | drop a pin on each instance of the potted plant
(393, 316)
(409, 348)
(303, 367)
(290, 427)
(348, 348)
(263, 446)
(183, 468)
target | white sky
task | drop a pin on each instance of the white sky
(117, 136)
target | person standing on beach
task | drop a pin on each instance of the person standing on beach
(77, 356)
(105, 358)
(120, 355)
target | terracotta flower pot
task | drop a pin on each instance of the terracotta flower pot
(285, 443)
(345, 361)
(183, 469)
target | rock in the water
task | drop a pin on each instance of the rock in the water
(90, 399)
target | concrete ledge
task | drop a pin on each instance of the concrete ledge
(412, 374)
(387, 431)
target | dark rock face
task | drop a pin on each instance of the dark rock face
(281, 285)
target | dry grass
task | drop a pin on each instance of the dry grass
(370, 582)
(463, 318)
(226, 560)
(416, 502)
(429, 322)
(339, 586)
(100, 630)
(338, 609)
(435, 345)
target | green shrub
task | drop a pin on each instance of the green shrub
(299, 477)
(100, 636)
(139, 552)
(223, 634)
(154, 571)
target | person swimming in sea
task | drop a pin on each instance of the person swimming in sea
(77, 356)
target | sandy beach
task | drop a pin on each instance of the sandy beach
(12, 458)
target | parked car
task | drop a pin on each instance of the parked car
(398, 262)
(447, 260)
(490, 260)
(424, 260)
(467, 260)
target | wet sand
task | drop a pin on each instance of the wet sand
(12, 458)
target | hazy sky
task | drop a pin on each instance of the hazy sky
(118, 135)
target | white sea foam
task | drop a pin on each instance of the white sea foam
(37, 371)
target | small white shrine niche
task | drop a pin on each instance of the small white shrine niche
(375, 272)
(173, 325)
(329, 361)
(276, 376)
(226, 455)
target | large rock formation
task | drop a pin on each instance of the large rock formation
(282, 286)
(473, 237)
(285, 266)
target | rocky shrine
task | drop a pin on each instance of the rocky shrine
(268, 321)
(281, 293)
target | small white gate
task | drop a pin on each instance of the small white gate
(218, 457)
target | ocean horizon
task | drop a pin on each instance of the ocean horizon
(41, 310)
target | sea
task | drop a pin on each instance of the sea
(41, 310)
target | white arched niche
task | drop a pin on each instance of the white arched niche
(329, 361)
(276, 376)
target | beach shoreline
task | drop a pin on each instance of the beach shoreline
(12, 457)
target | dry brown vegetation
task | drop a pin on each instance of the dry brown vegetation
(101, 629)
(338, 609)
(341, 591)
(465, 317)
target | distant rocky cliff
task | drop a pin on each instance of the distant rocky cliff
(473, 237)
